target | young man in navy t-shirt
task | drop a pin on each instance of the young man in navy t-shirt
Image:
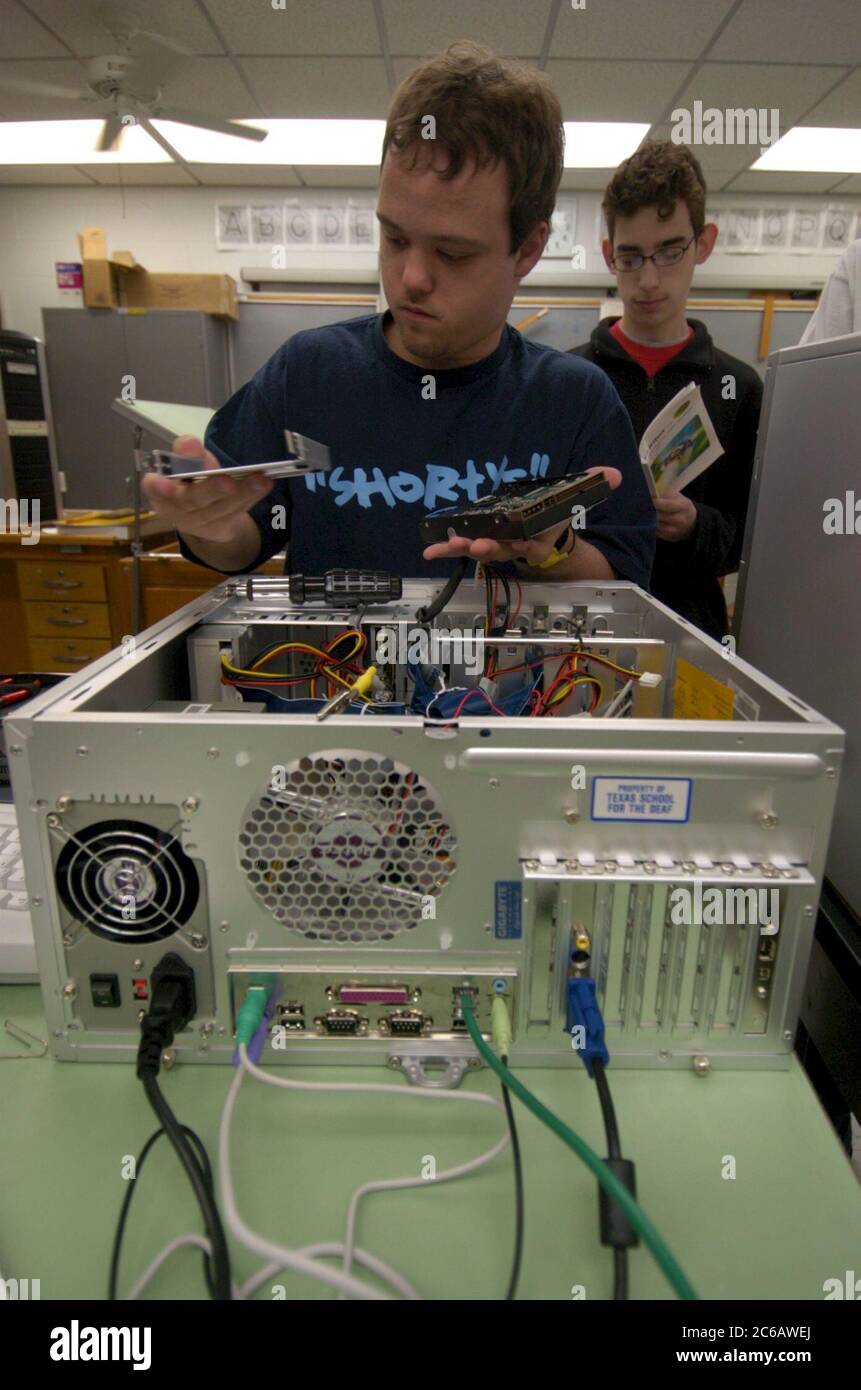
(437, 401)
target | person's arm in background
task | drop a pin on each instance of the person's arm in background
(833, 315)
(710, 534)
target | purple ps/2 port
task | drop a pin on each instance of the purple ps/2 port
(373, 994)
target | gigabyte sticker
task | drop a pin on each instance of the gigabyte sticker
(507, 910)
(624, 798)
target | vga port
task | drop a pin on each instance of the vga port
(340, 1023)
(405, 1023)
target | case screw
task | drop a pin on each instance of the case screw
(63, 803)
(702, 1066)
(168, 1057)
(198, 940)
(572, 816)
(70, 990)
(213, 752)
(767, 818)
(191, 803)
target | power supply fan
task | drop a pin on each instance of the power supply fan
(348, 847)
(127, 881)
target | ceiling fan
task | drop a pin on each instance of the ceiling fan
(126, 84)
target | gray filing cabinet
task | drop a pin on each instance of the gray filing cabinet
(173, 354)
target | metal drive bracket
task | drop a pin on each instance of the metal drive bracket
(439, 1072)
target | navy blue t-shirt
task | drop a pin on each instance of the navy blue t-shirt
(404, 440)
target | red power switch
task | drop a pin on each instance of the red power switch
(140, 988)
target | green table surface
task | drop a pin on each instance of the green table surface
(787, 1221)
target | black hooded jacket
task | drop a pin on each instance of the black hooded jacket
(685, 574)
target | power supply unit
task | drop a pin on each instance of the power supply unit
(582, 785)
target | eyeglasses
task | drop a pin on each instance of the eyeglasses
(667, 255)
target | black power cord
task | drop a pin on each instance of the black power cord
(616, 1229)
(425, 615)
(518, 1194)
(173, 1005)
(203, 1160)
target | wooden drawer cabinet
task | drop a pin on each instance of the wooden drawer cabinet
(67, 619)
(85, 583)
(65, 653)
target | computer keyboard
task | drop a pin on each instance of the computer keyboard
(17, 953)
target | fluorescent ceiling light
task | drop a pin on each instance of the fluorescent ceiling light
(73, 142)
(288, 142)
(808, 149)
(601, 144)
(588, 145)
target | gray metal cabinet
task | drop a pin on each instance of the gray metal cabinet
(173, 354)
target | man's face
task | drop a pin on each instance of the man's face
(446, 264)
(654, 296)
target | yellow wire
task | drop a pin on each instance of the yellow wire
(588, 656)
(565, 690)
(254, 672)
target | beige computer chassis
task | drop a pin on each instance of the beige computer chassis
(377, 863)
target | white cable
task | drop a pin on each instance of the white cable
(333, 1249)
(152, 1269)
(393, 1184)
(268, 1249)
(461, 1170)
(365, 1087)
(319, 1251)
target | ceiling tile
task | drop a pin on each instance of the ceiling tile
(137, 174)
(24, 37)
(210, 85)
(42, 173)
(715, 159)
(507, 26)
(762, 30)
(597, 91)
(30, 106)
(630, 29)
(258, 175)
(841, 107)
(586, 180)
(77, 22)
(322, 87)
(760, 181)
(790, 88)
(330, 176)
(326, 27)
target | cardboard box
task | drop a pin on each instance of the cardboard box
(103, 275)
(119, 282)
(214, 294)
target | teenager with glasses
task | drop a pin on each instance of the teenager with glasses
(657, 234)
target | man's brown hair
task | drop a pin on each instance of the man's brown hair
(659, 174)
(487, 110)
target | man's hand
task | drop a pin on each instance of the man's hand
(677, 516)
(207, 509)
(534, 552)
